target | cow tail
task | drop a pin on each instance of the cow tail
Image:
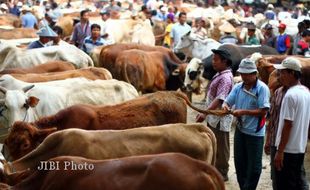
(213, 112)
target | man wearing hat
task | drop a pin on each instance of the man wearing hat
(3, 9)
(250, 100)
(270, 14)
(218, 89)
(291, 137)
(251, 38)
(46, 34)
(227, 28)
(270, 38)
(283, 42)
(28, 19)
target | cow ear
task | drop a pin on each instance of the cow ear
(41, 134)
(32, 101)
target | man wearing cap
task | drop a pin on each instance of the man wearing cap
(303, 44)
(301, 27)
(250, 100)
(292, 133)
(28, 19)
(283, 42)
(46, 34)
(270, 38)
(270, 14)
(251, 38)
(218, 89)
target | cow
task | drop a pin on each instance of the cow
(9, 21)
(132, 173)
(194, 140)
(265, 64)
(50, 66)
(237, 54)
(148, 71)
(153, 109)
(91, 73)
(43, 100)
(109, 53)
(18, 33)
(195, 47)
(13, 57)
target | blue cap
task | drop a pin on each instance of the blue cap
(46, 31)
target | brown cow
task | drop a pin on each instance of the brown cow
(264, 65)
(131, 173)
(194, 140)
(18, 33)
(148, 71)
(272, 81)
(50, 66)
(91, 73)
(153, 109)
(109, 53)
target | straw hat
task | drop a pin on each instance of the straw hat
(227, 27)
(26, 8)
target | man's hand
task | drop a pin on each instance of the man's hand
(267, 148)
(225, 107)
(238, 113)
(200, 117)
(278, 160)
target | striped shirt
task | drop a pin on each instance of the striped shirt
(89, 44)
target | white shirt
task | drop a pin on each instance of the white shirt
(295, 107)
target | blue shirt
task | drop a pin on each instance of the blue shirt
(29, 20)
(89, 45)
(178, 31)
(35, 44)
(255, 98)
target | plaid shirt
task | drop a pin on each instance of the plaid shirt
(275, 104)
(219, 88)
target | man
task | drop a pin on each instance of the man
(270, 38)
(244, 33)
(303, 44)
(251, 103)
(3, 9)
(251, 38)
(58, 40)
(270, 14)
(291, 139)
(106, 27)
(28, 19)
(220, 86)
(94, 39)
(81, 30)
(46, 34)
(283, 42)
(301, 27)
(179, 29)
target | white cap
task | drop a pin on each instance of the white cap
(4, 6)
(270, 6)
(289, 63)
(164, 9)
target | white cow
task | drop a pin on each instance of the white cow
(193, 46)
(193, 77)
(33, 102)
(12, 57)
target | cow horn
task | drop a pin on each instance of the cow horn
(26, 88)
(3, 90)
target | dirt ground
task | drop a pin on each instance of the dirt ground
(264, 182)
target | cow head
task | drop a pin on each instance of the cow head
(17, 106)
(23, 138)
(185, 44)
(193, 75)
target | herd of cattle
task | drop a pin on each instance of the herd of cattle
(127, 140)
